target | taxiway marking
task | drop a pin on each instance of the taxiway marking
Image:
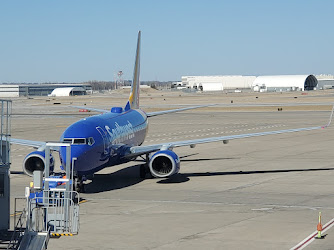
(309, 239)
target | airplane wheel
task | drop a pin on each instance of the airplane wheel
(145, 172)
(142, 171)
(79, 185)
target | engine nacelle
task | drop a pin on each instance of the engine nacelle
(164, 163)
(36, 161)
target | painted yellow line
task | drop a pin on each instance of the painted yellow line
(56, 234)
(83, 201)
(16, 214)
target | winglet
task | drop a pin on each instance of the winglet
(133, 102)
(330, 119)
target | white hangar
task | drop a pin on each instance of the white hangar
(69, 91)
(217, 83)
(260, 83)
(285, 83)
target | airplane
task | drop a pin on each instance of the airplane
(116, 137)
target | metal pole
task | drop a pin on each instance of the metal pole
(72, 174)
(67, 192)
(46, 175)
(68, 167)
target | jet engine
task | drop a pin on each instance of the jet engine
(36, 161)
(164, 163)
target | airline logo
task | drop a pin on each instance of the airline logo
(119, 134)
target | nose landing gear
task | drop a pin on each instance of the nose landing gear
(79, 186)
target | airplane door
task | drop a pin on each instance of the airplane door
(105, 140)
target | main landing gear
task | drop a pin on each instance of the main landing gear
(144, 170)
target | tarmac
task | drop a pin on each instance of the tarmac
(254, 193)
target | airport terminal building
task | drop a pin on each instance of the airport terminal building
(11, 90)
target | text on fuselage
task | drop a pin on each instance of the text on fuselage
(119, 134)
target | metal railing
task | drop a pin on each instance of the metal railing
(19, 229)
(18, 213)
(57, 211)
(51, 210)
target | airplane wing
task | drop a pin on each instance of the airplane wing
(41, 144)
(149, 114)
(30, 143)
(140, 150)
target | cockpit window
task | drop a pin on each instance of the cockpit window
(79, 141)
(90, 141)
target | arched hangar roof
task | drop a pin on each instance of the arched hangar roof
(67, 91)
(303, 82)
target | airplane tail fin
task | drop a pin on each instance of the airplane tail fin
(133, 102)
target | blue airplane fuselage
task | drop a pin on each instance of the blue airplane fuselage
(102, 140)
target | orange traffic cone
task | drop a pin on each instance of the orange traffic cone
(319, 227)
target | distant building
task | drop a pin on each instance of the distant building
(324, 76)
(16, 90)
(69, 91)
(325, 84)
(259, 84)
(218, 83)
(285, 83)
(325, 81)
(178, 85)
(210, 86)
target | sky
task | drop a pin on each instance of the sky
(79, 40)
